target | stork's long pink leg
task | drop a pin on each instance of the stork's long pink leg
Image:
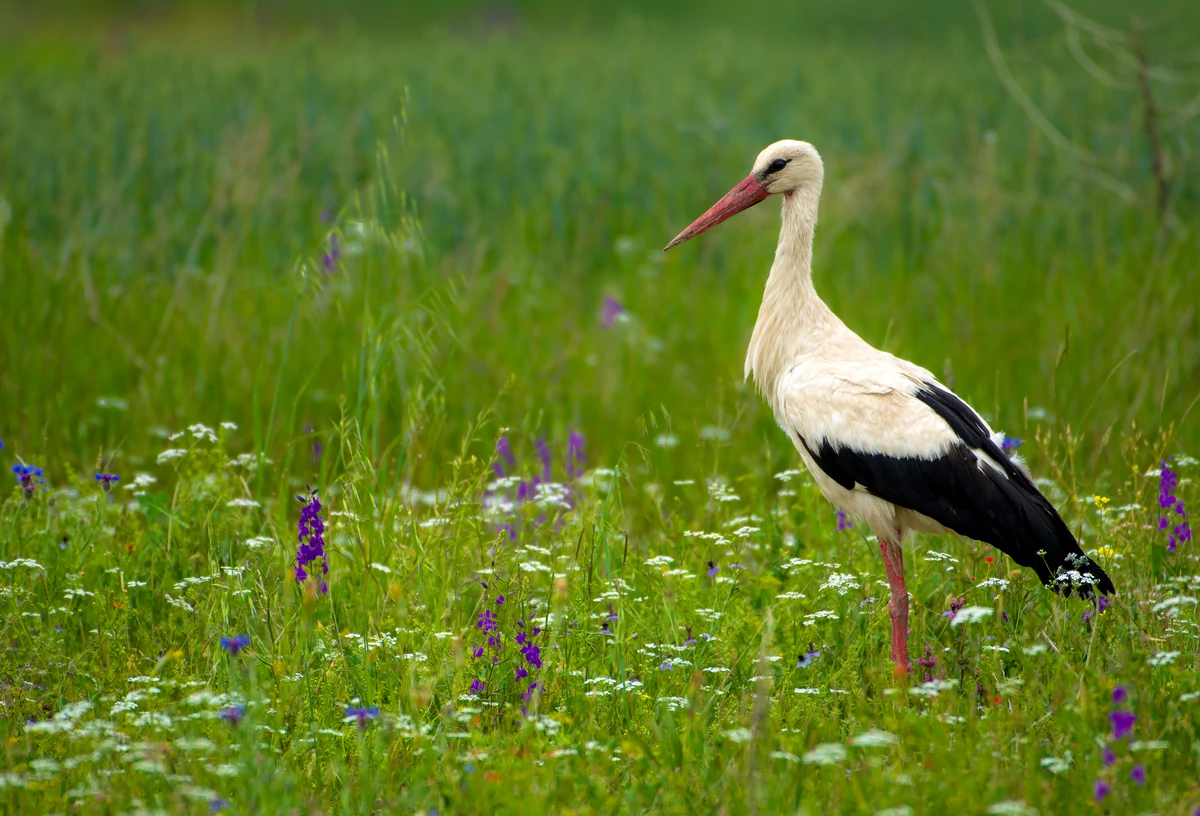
(893, 562)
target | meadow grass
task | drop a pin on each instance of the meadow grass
(377, 266)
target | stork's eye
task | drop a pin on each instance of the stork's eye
(777, 165)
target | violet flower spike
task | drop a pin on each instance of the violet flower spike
(312, 539)
(575, 457)
(1101, 790)
(234, 645)
(843, 522)
(712, 569)
(1122, 723)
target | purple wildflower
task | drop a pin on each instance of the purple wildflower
(486, 621)
(477, 686)
(521, 674)
(575, 458)
(1086, 617)
(361, 714)
(533, 655)
(1120, 694)
(712, 569)
(1109, 757)
(1102, 789)
(1180, 533)
(612, 615)
(843, 522)
(235, 644)
(312, 528)
(507, 460)
(527, 695)
(1102, 604)
(689, 640)
(333, 253)
(499, 600)
(955, 605)
(217, 804)
(1138, 774)
(1010, 444)
(477, 652)
(1122, 723)
(547, 458)
(928, 661)
(808, 657)
(233, 715)
(29, 478)
(106, 480)
(612, 310)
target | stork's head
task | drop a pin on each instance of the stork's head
(785, 167)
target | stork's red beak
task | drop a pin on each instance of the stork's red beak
(745, 195)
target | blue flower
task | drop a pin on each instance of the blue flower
(361, 714)
(106, 480)
(29, 478)
(234, 645)
(808, 657)
(1009, 444)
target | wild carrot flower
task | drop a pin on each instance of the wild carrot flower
(29, 478)
(612, 310)
(361, 714)
(1122, 723)
(312, 539)
(106, 480)
(1101, 790)
(843, 522)
(235, 644)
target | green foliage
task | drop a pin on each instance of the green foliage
(163, 264)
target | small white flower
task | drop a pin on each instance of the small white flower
(203, 432)
(666, 440)
(1013, 807)
(972, 614)
(381, 567)
(1163, 658)
(999, 583)
(827, 753)
(229, 426)
(874, 738)
(714, 433)
(660, 561)
(840, 582)
(738, 734)
(239, 502)
(171, 455)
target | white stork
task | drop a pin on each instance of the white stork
(886, 442)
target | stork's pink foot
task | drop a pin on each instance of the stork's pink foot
(893, 562)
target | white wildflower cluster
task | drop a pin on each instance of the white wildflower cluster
(28, 563)
(874, 738)
(249, 461)
(170, 455)
(258, 542)
(719, 490)
(998, 583)
(788, 475)
(934, 555)
(796, 563)
(674, 703)
(824, 614)
(789, 596)
(140, 482)
(933, 688)
(717, 539)
(666, 440)
(715, 433)
(840, 582)
(552, 494)
(709, 614)
(243, 502)
(745, 532)
(180, 603)
(738, 734)
(660, 561)
(827, 753)
(1170, 605)
(971, 614)
(1163, 658)
(193, 581)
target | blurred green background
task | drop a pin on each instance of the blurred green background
(490, 173)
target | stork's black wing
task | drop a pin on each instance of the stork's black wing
(969, 496)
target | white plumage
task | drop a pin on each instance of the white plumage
(885, 441)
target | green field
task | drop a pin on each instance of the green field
(365, 250)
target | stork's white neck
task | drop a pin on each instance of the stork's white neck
(792, 320)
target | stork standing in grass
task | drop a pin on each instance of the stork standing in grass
(885, 441)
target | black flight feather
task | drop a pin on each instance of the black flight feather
(971, 498)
